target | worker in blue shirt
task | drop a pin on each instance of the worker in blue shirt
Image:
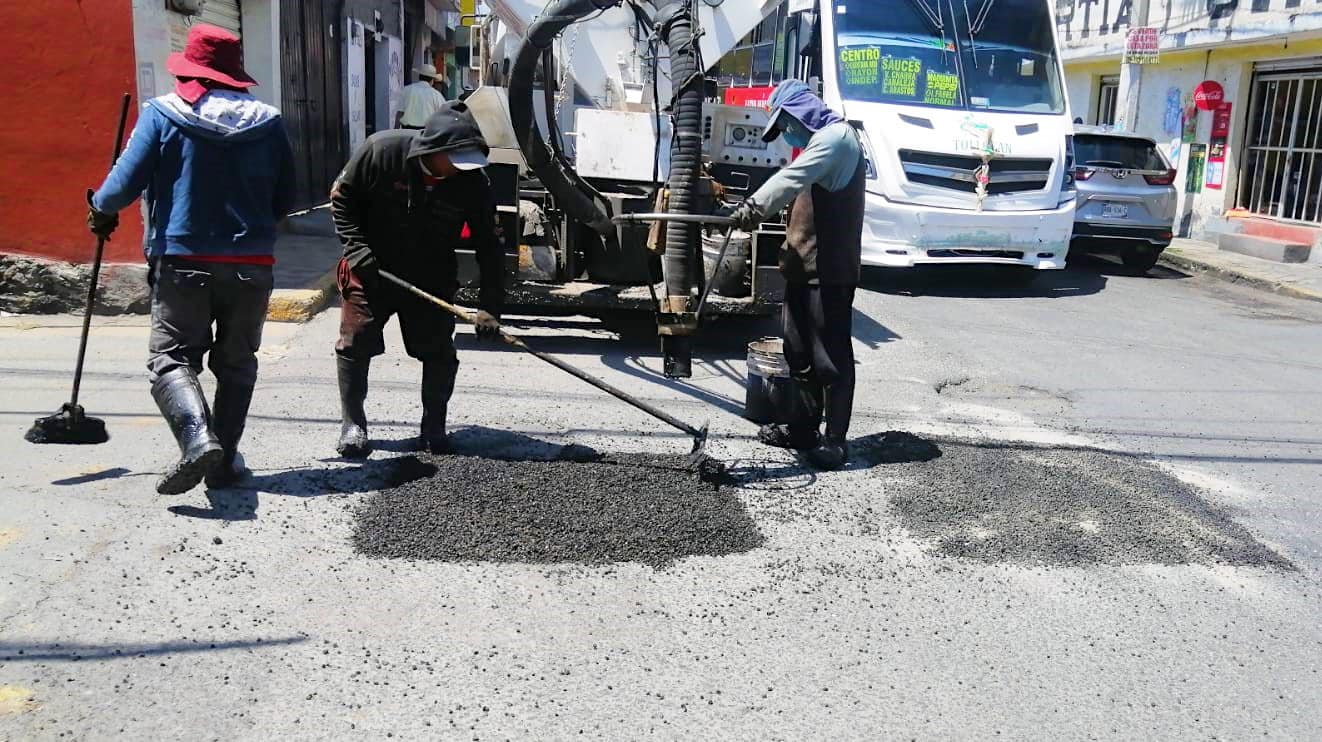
(820, 263)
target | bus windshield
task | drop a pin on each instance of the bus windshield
(981, 54)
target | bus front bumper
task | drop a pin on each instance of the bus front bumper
(904, 235)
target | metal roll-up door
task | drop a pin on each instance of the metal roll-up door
(223, 13)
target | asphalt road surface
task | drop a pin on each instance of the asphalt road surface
(1089, 509)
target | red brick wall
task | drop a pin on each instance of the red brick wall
(66, 64)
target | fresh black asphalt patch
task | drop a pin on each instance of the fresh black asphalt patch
(620, 508)
(1022, 503)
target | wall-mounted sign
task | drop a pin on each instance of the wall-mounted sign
(752, 97)
(1143, 45)
(1209, 95)
(1221, 121)
(1193, 180)
(1216, 152)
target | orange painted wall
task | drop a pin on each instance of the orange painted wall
(66, 64)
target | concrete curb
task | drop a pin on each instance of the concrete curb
(1174, 259)
(301, 305)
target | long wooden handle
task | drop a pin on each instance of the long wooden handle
(509, 339)
(96, 262)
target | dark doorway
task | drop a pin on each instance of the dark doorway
(312, 97)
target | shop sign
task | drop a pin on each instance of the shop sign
(1209, 95)
(1216, 152)
(1143, 45)
(759, 97)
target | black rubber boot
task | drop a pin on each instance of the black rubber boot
(179, 396)
(229, 416)
(832, 451)
(437, 387)
(829, 454)
(804, 418)
(352, 373)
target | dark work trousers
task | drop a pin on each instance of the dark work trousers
(818, 326)
(188, 298)
(428, 330)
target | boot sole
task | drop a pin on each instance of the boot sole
(353, 451)
(189, 474)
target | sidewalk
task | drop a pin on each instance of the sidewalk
(1298, 280)
(305, 255)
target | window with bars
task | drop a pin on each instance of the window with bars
(1282, 177)
(1108, 93)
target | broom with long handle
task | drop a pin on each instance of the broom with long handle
(71, 424)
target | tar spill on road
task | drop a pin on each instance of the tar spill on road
(624, 508)
(1067, 506)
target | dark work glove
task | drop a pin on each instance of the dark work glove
(367, 275)
(747, 216)
(486, 325)
(102, 224)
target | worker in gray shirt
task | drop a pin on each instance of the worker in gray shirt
(820, 263)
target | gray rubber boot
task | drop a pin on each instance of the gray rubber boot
(352, 373)
(437, 388)
(229, 416)
(179, 396)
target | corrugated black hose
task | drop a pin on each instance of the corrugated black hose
(572, 194)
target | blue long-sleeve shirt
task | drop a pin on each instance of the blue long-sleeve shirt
(218, 175)
(830, 161)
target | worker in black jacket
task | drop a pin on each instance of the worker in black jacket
(401, 204)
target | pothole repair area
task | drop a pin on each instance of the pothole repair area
(1023, 503)
(619, 508)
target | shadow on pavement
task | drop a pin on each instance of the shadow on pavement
(76, 652)
(1110, 265)
(240, 503)
(984, 282)
(99, 476)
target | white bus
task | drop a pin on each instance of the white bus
(964, 114)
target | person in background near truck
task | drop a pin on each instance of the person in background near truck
(421, 100)
(218, 171)
(821, 264)
(401, 204)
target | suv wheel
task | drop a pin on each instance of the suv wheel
(1140, 260)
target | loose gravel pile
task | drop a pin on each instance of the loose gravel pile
(634, 508)
(1067, 506)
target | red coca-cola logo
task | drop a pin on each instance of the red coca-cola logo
(1209, 95)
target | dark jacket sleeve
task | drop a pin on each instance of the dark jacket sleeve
(349, 206)
(489, 249)
(134, 168)
(283, 197)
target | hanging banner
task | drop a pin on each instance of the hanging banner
(1193, 180)
(1143, 46)
(1190, 120)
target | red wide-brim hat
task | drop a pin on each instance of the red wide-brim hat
(212, 53)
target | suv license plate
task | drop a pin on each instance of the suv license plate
(1115, 211)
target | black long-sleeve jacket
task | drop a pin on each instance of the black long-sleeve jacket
(388, 215)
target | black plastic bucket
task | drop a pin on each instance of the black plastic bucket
(768, 381)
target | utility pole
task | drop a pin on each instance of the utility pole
(1131, 77)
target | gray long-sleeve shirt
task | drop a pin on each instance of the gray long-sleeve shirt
(830, 161)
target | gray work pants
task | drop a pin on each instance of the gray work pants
(188, 298)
